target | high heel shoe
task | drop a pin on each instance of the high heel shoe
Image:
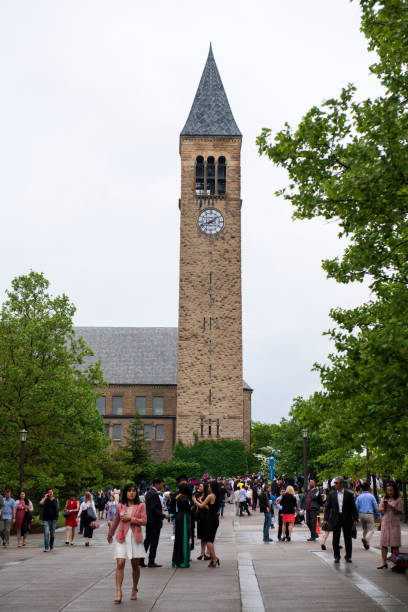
(214, 564)
(116, 600)
(134, 597)
(206, 558)
(200, 557)
(384, 566)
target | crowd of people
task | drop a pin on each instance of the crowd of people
(135, 517)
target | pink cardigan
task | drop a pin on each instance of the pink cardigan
(138, 518)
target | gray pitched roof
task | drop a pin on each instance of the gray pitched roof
(134, 355)
(210, 114)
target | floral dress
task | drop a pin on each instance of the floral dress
(391, 523)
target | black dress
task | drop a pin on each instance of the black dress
(201, 519)
(211, 524)
(182, 540)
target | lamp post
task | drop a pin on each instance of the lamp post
(23, 438)
(304, 436)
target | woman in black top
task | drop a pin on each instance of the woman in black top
(288, 503)
(212, 503)
(201, 519)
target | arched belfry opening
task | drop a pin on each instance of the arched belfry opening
(199, 181)
(221, 176)
(210, 175)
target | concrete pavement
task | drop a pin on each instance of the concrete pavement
(253, 576)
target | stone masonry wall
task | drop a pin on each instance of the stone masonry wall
(210, 312)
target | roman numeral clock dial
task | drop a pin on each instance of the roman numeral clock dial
(210, 221)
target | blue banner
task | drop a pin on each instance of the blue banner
(271, 468)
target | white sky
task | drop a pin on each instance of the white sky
(94, 95)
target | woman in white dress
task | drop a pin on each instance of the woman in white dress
(129, 518)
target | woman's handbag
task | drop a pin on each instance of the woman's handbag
(95, 525)
(91, 514)
(66, 513)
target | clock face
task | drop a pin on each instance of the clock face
(210, 221)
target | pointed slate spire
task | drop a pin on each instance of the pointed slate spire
(210, 114)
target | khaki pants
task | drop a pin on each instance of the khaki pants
(367, 523)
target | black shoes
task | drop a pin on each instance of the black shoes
(268, 540)
(337, 559)
(154, 565)
(323, 546)
(365, 543)
(142, 563)
(311, 540)
(348, 559)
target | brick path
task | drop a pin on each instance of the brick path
(253, 576)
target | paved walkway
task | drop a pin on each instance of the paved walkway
(253, 576)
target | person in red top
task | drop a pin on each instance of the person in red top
(129, 518)
(71, 521)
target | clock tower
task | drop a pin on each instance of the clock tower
(211, 401)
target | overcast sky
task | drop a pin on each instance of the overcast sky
(94, 94)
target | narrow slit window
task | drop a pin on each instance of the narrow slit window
(210, 279)
(221, 176)
(210, 396)
(202, 426)
(210, 176)
(210, 347)
(218, 428)
(204, 324)
(199, 182)
(210, 322)
(210, 369)
(209, 426)
(216, 323)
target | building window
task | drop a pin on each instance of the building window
(159, 432)
(107, 429)
(210, 396)
(148, 432)
(117, 432)
(101, 405)
(210, 176)
(117, 406)
(209, 426)
(221, 176)
(218, 428)
(199, 175)
(158, 406)
(141, 405)
(202, 426)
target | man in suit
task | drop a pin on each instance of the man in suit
(155, 516)
(313, 502)
(341, 513)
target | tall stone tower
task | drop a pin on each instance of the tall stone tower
(210, 398)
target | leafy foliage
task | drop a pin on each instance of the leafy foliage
(347, 162)
(218, 458)
(46, 389)
(286, 439)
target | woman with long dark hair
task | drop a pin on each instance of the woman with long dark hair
(212, 503)
(201, 519)
(130, 516)
(391, 509)
(182, 527)
(24, 517)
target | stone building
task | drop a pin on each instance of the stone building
(189, 380)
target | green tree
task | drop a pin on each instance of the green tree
(47, 388)
(286, 440)
(216, 457)
(347, 163)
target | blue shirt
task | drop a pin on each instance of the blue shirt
(366, 503)
(7, 512)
